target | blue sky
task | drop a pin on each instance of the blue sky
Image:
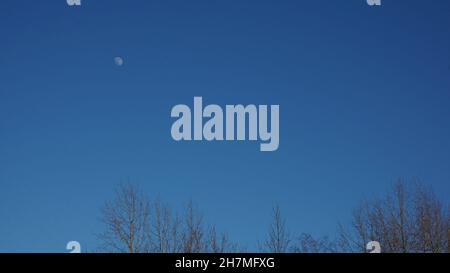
(364, 95)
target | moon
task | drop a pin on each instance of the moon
(118, 61)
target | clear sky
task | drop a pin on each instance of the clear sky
(364, 95)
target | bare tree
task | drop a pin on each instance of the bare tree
(136, 225)
(196, 237)
(306, 243)
(193, 233)
(165, 237)
(127, 222)
(278, 240)
(219, 243)
(410, 219)
(431, 225)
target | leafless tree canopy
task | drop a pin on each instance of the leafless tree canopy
(278, 237)
(133, 224)
(409, 219)
(306, 243)
(127, 222)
